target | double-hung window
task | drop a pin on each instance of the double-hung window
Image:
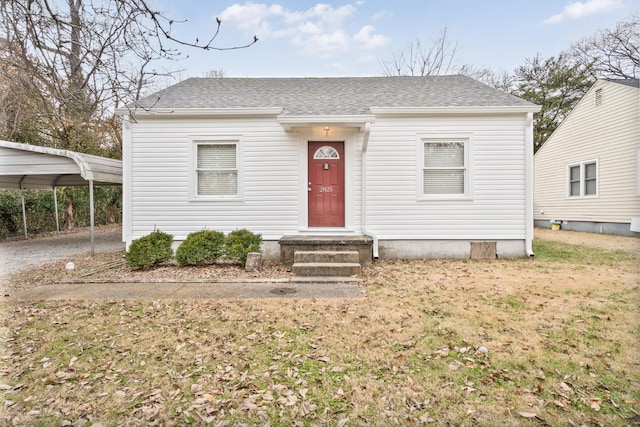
(582, 179)
(216, 169)
(445, 169)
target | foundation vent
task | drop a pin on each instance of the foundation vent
(483, 250)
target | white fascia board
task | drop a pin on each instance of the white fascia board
(357, 121)
(166, 112)
(417, 111)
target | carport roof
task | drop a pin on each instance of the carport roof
(33, 166)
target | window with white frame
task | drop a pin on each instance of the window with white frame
(445, 167)
(582, 179)
(216, 171)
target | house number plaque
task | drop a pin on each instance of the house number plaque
(326, 189)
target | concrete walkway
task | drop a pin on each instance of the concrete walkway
(190, 291)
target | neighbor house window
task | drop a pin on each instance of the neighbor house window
(583, 179)
(217, 169)
(445, 167)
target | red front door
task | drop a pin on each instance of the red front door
(326, 184)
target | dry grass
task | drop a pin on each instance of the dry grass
(561, 333)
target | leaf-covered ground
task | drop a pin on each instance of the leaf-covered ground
(548, 341)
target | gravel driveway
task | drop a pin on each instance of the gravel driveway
(21, 254)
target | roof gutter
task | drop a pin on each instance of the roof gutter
(189, 112)
(489, 109)
(363, 191)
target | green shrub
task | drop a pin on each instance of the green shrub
(201, 248)
(149, 250)
(239, 243)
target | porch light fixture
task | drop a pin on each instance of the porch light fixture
(326, 130)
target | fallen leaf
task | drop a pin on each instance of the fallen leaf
(594, 403)
(248, 405)
(565, 387)
(560, 404)
(527, 414)
(444, 351)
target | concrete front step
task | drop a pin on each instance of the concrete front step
(326, 256)
(338, 269)
(294, 243)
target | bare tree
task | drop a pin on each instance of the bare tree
(216, 73)
(439, 58)
(19, 107)
(612, 52)
(77, 60)
(85, 57)
(418, 60)
(499, 80)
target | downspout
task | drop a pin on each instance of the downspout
(127, 228)
(363, 190)
(528, 197)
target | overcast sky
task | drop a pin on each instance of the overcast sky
(302, 38)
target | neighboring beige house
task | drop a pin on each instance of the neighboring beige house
(587, 174)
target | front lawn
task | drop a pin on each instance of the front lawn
(548, 341)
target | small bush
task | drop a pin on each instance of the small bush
(239, 243)
(149, 250)
(201, 248)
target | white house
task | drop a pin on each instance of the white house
(424, 166)
(587, 174)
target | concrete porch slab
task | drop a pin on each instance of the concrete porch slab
(292, 243)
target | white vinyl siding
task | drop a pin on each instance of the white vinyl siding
(610, 133)
(216, 169)
(582, 179)
(271, 177)
(494, 206)
(272, 171)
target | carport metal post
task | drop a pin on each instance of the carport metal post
(55, 203)
(24, 210)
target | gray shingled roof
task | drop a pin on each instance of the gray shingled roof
(330, 96)
(627, 82)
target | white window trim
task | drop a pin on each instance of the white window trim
(208, 139)
(582, 166)
(467, 138)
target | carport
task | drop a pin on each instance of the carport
(25, 166)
